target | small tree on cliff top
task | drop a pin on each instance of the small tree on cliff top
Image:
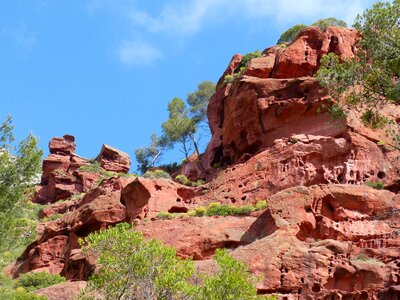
(375, 70)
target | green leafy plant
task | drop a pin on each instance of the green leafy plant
(289, 35)
(245, 61)
(375, 70)
(165, 215)
(376, 185)
(323, 24)
(157, 174)
(131, 267)
(36, 280)
(19, 166)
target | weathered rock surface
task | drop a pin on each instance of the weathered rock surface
(199, 237)
(112, 159)
(327, 243)
(325, 233)
(61, 176)
(145, 198)
(277, 97)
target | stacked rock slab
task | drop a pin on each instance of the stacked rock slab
(62, 177)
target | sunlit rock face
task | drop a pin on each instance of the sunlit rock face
(324, 235)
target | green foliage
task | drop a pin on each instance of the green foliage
(147, 157)
(180, 127)
(182, 179)
(129, 267)
(19, 166)
(165, 215)
(376, 185)
(36, 280)
(376, 69)
(227, 210)
(290, 35)
(261, 204)
(157, 174)
(200, 211)
(19, 294)
(233, 281)
(198, 101)
(323, 24)
(245, 61)
(293, 140)
(217, 209)
(93, 167)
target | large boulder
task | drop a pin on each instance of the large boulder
(112, 159)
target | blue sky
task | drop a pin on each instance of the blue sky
(104, 70)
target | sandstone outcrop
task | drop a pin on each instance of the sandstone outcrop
(324, 235)
(276, 97)
(62, 176)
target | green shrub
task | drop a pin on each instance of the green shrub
(157, 174)
(289, 35)
(262, 204)
(376, 185)
(198, 183)
(293, 140)
(200, 211)
(130, 267)
(182, 179)
(323, 24)
(219, 210)
(93, 167)
(165, 215)
(37, 280)
(245, 61)
(53, 217)
(19, 294)
(242, 210)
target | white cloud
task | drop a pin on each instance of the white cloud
(21, 36)
(187, 18)
(138, 52)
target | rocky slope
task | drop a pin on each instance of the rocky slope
(325, 233)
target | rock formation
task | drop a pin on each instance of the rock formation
(325, 233)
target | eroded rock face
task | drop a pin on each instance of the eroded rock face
(198, 238)
(145, 198)
(276, 97)
(325, 233)
(112, 159)
(304, 160)
(329, 242)
(61, 176)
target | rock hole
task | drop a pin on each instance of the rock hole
(240, 186)
(308, 208)
(243, 198)
(178, 209)
(158, 188)
(302, 279)
(178, 199)
(316, 288)
(381, 175)
(233, 200)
